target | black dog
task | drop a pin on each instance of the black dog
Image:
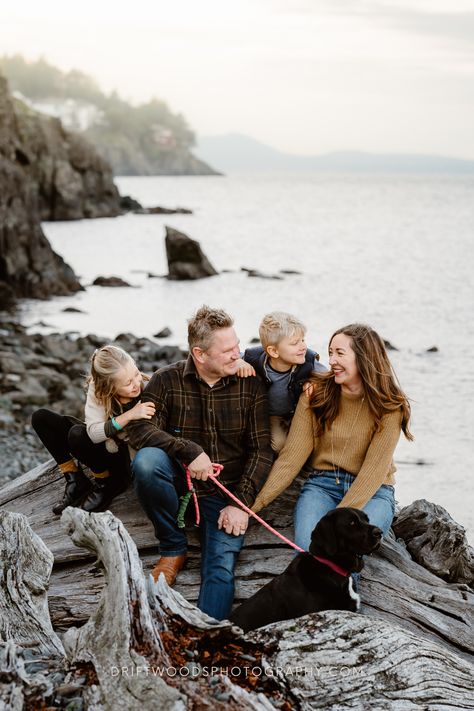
(341, 537)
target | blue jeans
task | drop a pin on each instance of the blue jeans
(321, 493)
(159, 481)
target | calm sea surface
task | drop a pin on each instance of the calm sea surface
(394, 252)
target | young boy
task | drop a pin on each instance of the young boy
(285, 363)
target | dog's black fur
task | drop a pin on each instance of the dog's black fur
(343, 536)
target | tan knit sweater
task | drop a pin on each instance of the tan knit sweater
(350, 444)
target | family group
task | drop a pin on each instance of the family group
(264, 415)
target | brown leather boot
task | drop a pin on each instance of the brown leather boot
(170, 567)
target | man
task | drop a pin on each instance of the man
(204, 414)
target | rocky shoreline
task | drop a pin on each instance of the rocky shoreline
(39, 370)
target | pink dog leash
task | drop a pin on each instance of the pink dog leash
(217, 470)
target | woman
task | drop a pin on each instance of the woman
(113, 399)
(349, 421)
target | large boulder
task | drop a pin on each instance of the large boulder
(186, 260)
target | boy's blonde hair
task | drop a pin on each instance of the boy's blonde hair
(106, 363)
(278, 325)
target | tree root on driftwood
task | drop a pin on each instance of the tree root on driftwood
(146, 647)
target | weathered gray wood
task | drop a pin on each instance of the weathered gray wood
(121, 641)
(121, 631)
(332, 660)
(17, 687)
(398, 589)
(390, 668)
(339, 660)
(34, 496)
(436, 541)
(25, 568)
(394, 587)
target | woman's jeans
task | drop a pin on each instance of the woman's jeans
(159, 482)
(321, 493)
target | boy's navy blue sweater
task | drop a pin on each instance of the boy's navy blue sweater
(299, 375)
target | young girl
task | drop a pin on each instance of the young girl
(349, 421)
(113, 400)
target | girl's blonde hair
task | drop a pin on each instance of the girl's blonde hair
(380, 384)
(106, 362)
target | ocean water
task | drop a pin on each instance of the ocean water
(394, 252)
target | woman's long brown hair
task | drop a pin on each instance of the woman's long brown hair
(380, 384)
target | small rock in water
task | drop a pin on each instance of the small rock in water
(261, 275)
(73, 310)
(290, 271)
(389, 346)
(110, 281)
(163, 211)
(254, 340)
(128, 203)
(433, 349)
(164, 333)
(43, 324)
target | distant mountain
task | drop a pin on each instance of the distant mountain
(233, 152)
(148, 139)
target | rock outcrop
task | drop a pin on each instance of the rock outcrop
(71, 180)
(186, 260)
(28, 265)
(46, 173)
(129, 204)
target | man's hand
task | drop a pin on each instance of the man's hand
(233, 520)
(201, 467)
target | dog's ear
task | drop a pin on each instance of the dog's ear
(324, 537)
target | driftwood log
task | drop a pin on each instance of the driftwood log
(436, 542)
(411, 648)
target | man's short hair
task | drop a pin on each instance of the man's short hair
(204, 323)
(277, 325)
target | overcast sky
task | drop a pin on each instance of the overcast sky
(304, 76)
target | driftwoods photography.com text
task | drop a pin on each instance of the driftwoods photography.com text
(250, 670)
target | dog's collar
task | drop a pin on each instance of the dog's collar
(337, 569)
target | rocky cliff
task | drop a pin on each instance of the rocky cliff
(46, 173)
(136, 139)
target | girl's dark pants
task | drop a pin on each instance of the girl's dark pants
(63, 436)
